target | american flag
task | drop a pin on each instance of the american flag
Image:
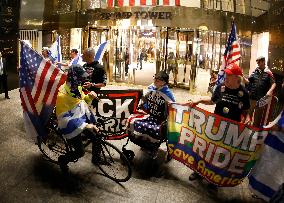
(39, 83)
(232, 53)
(120, 3)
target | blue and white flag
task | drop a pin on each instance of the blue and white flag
(55, 51)
(77, 60)
(100, 50)
(268, 173)
(72, 122)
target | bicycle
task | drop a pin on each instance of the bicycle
(114, 164)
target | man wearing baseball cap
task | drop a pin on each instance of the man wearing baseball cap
(232, 102)
(231, 98)
(260, 83)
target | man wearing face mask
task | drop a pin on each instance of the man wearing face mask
(232, 102)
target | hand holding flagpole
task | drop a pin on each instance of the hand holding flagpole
(232, 52)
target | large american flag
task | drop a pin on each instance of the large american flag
(120, 3)
(39, 83)
(232, 53)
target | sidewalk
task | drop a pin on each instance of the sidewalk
(26, 177)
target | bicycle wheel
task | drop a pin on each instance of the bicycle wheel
(114, 163)
(53, 146)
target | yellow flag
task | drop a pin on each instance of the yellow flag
(65, 103)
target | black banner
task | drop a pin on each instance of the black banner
(113, 109)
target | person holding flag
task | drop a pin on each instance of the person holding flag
(75, 59)
(74, 115)
(231, 55)
(232, 102)
(46, 53)
(229, 95)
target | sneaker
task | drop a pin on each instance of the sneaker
(194, 176)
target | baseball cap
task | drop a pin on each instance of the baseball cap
(233, 69)
(162, 75)
(260, 58)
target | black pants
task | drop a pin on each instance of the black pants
(79, 149)
(77, 152)
(96, 146)
(4, 85)
(126, 68)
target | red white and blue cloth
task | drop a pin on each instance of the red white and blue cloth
(147, 126)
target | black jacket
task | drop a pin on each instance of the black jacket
(259, 83)
(96, 73)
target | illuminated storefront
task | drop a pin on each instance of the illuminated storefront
(195, 32)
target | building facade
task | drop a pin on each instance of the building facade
(194, 31)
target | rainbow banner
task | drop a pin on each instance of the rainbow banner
(221, 150)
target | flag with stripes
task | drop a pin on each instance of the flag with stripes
(100, 50)
(39, 83)
(55, 51)
(77, 60)
(268, 173)
(231, 55)
(73, 114)
(121, 3)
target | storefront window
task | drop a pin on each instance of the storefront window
(97, 36)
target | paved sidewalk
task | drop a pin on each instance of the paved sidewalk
(26, 177)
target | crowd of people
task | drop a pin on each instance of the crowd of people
(236, 99)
